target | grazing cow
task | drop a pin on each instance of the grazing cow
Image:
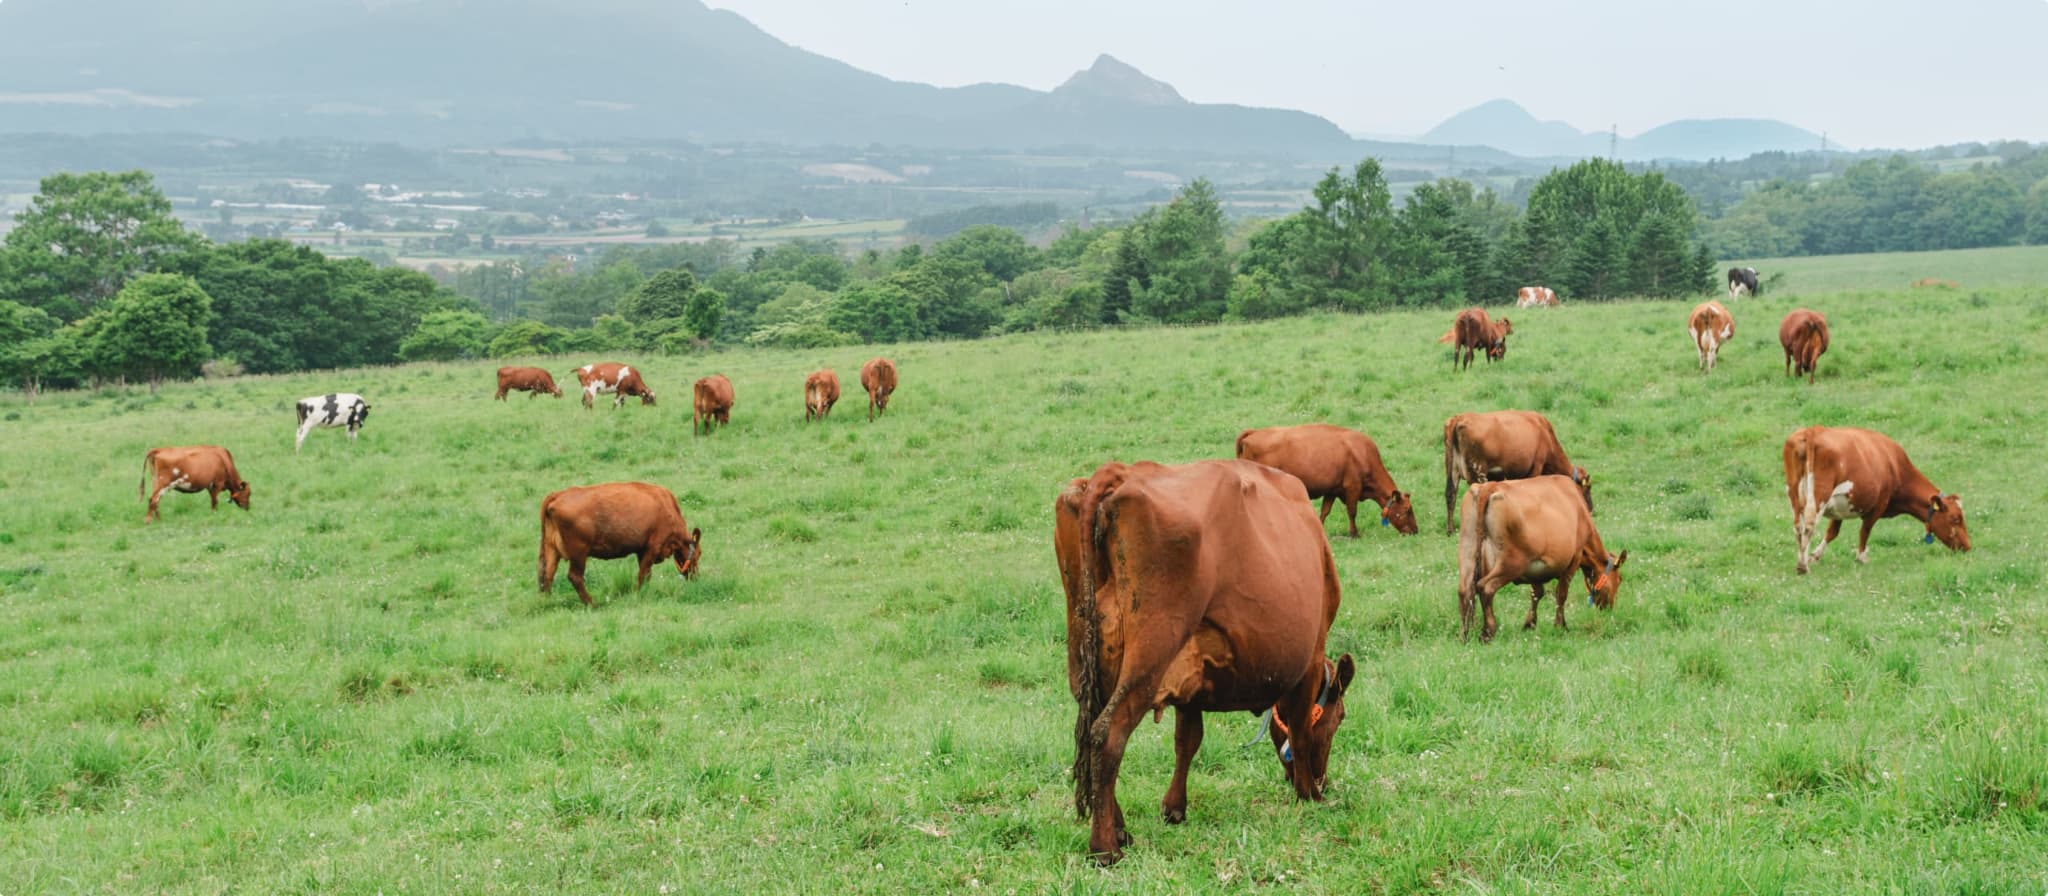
(531, 380)
(1846, 473)
(324, 411)
(200, 468)
(1743, 281)
(878, 376)
(1333, 463)
(712, 403)
(1207, 587)
(610, 521)
(1529, 532)
(1472, 331)
(1503, 445)
(623, 379)
(1711, 325)
(1804, 334)
(821, 392)
(1535, 296)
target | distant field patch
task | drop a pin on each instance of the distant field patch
(853, 172)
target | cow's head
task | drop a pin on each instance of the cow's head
(1498, 348)
(553, 389)
(646, 396)
(1305, 756)
(1603, 587)
(1945, 522)
(362, 413)
(239, 493)
(1399, 513)
(685, 549)
(1584, 481)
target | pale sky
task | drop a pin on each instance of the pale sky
(1875, 73)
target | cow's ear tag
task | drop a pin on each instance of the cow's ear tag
(1386, 522)
(1287, 750)
(1927, 539)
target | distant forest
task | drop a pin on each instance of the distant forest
(100, 282)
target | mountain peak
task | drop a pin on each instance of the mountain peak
(1113, 78)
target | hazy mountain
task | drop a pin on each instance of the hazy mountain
(1504, 125)
(447, 71)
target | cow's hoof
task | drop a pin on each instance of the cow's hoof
(1106, 859)
(1174, 815)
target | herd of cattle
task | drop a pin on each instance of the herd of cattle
(1210, 586)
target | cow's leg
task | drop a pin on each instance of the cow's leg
(1862, 538)
(1490, 625)
(1535, 600)
(213, 494)
(1788, 362)
(1351, 510)
(1564, 584)
(647, 560)
(1329, 501)
(1834, 531)
(352, 431)
(178, 483)
(576, 578)
(1450, 504)
(1805, 515)
(304, 428)
(1187, 738)
(1112, 733)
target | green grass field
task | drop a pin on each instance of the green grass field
(355, 688)
(1969, 269)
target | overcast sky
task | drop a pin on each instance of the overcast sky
(1872, 73)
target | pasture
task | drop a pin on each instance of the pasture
(1970, 269)
(355, 688)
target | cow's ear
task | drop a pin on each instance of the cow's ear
(697, 538)
(1345, 670)
(1618, 561)
(1935, 502)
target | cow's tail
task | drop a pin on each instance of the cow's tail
(1454, 464)
(148, 473)
(1092, 696)
(1449, 336)
(1471, 535)
(1802, 450)
(304, 410)
(1240, 441)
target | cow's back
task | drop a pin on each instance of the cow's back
(878, 376)
(1507, 444)
(1543, 514)
(610, 519)
(1321, 455)
(713, 393)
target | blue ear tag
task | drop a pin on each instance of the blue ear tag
(1386, 522)
(1287, 750)
(1928, 539)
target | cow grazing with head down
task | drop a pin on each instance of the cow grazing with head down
(200, 468)
(1846, 473)
(711, 403)
(614, 520)
(1804, 334)
(1207, 587)
(531, 380)
(1742, 281)
(1535, 297)
(622, 379)
(1711, 326)
(1529, 532)
(336, 410)
(1471, 332)
(878, 377)
(1504, 445)
(821, 392)
(1332, 463)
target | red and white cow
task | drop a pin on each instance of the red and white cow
(623, 379)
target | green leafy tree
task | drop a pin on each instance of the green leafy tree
(877, 312)
(84, 236)
(1438, 256)
(1972, 209)
(1259, 294)
(1334, 253)
(704, 312)
(664, 296)
(1658, 262)
(1187, 267)
(527, 337)
(154, 328)
(2037, 214)
(569, 299)
(23, 357)
(1000, 251)
(1594, 268)
(446, 336)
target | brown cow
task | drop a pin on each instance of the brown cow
(199, 468)
(878, 376)
(1866, 475)
(1333, 463)
(623, 379)
(821, 392)
(531, 380)
(712, 403)
(1207, 587)
(610, 521)
(1471, 331)
(1535, 296)
(1804, 334)
(1710, 325)
(1529, 532)
(1503, 445)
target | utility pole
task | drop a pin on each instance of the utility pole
(1613, 142)
(1823, 142)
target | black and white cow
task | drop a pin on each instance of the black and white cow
(1742, 281)
(339, 409)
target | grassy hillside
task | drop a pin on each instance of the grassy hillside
(1970, 269)
(354, 687)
